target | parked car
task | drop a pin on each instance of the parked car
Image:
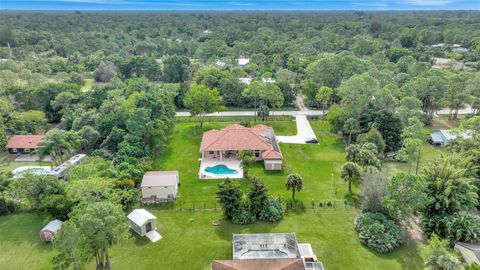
(311, 140)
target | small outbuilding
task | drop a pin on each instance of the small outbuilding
(444, 137)
(160, 186)
(144, 224)
(50, 230)
(470, 252)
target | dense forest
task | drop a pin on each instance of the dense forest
(108, 84)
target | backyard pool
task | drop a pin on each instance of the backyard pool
(220, 169)
(272, 254)
(38, 170)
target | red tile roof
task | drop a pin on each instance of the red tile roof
(272, 154)
(24, 141)
(237, 137)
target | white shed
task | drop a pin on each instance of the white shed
(144, 224)
(50, 230)
(160, 185)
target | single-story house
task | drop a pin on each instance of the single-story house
(470, 252)
(160, 185)
(144, 224)
(229, 141)
(443, 137)
(23, 144)
(50, 230)
(269, 251)
(243, 61)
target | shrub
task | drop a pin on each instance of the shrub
(378, 232)
(272, 211)
(6, 206)
(243, 215)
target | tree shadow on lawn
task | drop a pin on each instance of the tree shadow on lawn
(353, 199)
(408, 255)
(137, 239)
(226, 229)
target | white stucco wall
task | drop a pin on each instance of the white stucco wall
(161, 192)
(271, 165)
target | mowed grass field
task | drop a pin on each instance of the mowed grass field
(191, 242)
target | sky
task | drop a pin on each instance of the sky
(240, 4)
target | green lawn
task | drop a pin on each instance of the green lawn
(191, 242)
(315, 163)
(428, 153)
(20, 245)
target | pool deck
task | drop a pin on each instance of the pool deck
(231, 163)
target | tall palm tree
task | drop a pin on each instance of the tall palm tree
(58, 144)
(295, 183)
(351, 127)
(350, 173)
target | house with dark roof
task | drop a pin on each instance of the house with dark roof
(23, 144)
(221, 146)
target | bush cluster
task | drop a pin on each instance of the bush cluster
(378, 232)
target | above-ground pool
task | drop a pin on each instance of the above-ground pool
(38, 170)
(220, 169)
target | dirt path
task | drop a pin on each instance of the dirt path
(301, 103)
(414, 231)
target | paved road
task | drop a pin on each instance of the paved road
(447, 111)
(251, 113)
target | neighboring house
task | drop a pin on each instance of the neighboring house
(443, 137)
(160, 186)
(439, 62)
(268, 80)
(245, 80)
(50, 230)
(23, 144)
(243, 61)
(270, 251)
(470, 252)
(229, 141)
(460, 50)
(144, 224)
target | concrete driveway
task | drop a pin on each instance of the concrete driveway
(304, 131)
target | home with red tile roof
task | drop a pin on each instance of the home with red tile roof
(23, 144)
(225, 144)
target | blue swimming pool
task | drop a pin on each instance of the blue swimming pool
(220, 169)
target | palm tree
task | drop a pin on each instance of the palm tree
(350, 173)
(58, 144)
(295, 183)
(351, 127)
(246, 159)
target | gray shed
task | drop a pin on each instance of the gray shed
(50, 230)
